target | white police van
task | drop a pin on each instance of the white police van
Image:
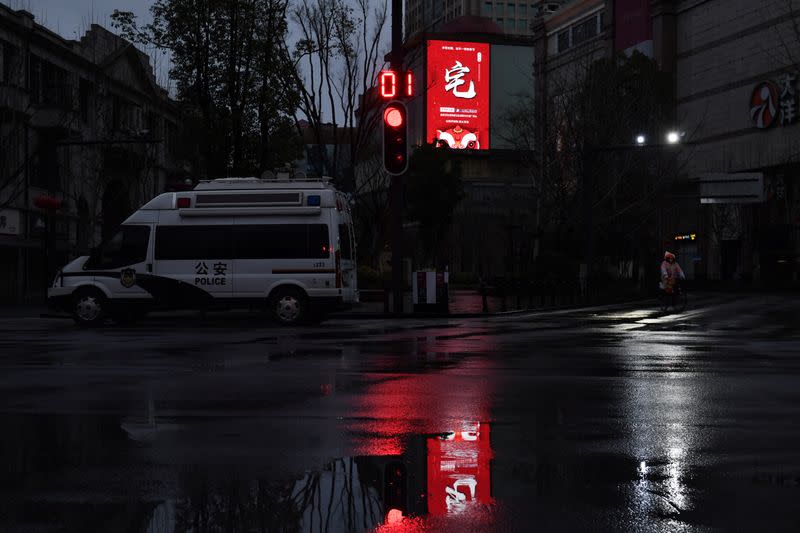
(288, 244)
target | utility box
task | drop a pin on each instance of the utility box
(429, 291)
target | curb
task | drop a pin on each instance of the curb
(516, 312)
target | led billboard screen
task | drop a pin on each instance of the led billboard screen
(458, 81)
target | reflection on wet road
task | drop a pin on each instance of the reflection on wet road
(610, 419)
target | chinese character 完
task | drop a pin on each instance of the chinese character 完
(453, 76)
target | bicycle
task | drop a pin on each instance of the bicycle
(673, 296)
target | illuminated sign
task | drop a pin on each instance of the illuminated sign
(459, 475)
(774, 103)
(458, 94)
(388, 84)
(686, 237)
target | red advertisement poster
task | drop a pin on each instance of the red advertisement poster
(459, 466)
(458, 94)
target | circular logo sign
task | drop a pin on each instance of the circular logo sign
(764, 105)
(128, 278)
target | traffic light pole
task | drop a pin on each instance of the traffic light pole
(396, 188)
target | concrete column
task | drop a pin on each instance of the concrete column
(665, 34)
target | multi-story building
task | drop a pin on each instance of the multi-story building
(735, 210)
(514, 17)
(736, 70)
(83, 122)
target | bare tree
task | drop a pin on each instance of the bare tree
(337, 59)
(587, 147)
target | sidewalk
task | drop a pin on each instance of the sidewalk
(23, 310)
(469, 304)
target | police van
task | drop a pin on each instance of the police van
(288, 244)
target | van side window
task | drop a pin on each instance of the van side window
(281, 241)
(193, 242)
(127, 247)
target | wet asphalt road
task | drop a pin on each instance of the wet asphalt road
(610, 419)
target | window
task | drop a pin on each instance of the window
(85, 93)
(193, 242)
(522, 10)
(344, 241)
(563, 40)
(153, 124)
(510, 26)
(49, 84)
(281, 241)
(171, 137)
(584, 31)
(511, 10)
(268, 241)
(498, 9)
(127, 247)
(522, 26)
(35, 79)
(9, 64)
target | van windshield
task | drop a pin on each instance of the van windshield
(127, 247)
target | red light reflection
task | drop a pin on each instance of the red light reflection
(459, 470)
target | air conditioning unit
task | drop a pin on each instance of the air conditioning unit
(548, 8)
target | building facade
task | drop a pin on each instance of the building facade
(514, 17)
(736, 70)
(82, 122)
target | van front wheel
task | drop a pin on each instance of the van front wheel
(289, 306)
(89, 307)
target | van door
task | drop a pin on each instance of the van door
(194, 263)
(347, 246)
(121, 260)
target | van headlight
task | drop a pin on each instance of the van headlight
(59, 279)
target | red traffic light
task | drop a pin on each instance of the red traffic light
(393, 117)
(395, 138)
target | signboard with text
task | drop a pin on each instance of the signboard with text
(10, 222)
(457, 88)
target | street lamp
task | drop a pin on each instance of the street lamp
(673, 137)
(640, 140)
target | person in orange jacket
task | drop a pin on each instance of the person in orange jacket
(671, 272)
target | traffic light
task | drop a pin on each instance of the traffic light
(395, 138)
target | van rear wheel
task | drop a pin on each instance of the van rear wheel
(89, 307)
(289, 306)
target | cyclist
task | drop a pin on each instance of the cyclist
(671, 272)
